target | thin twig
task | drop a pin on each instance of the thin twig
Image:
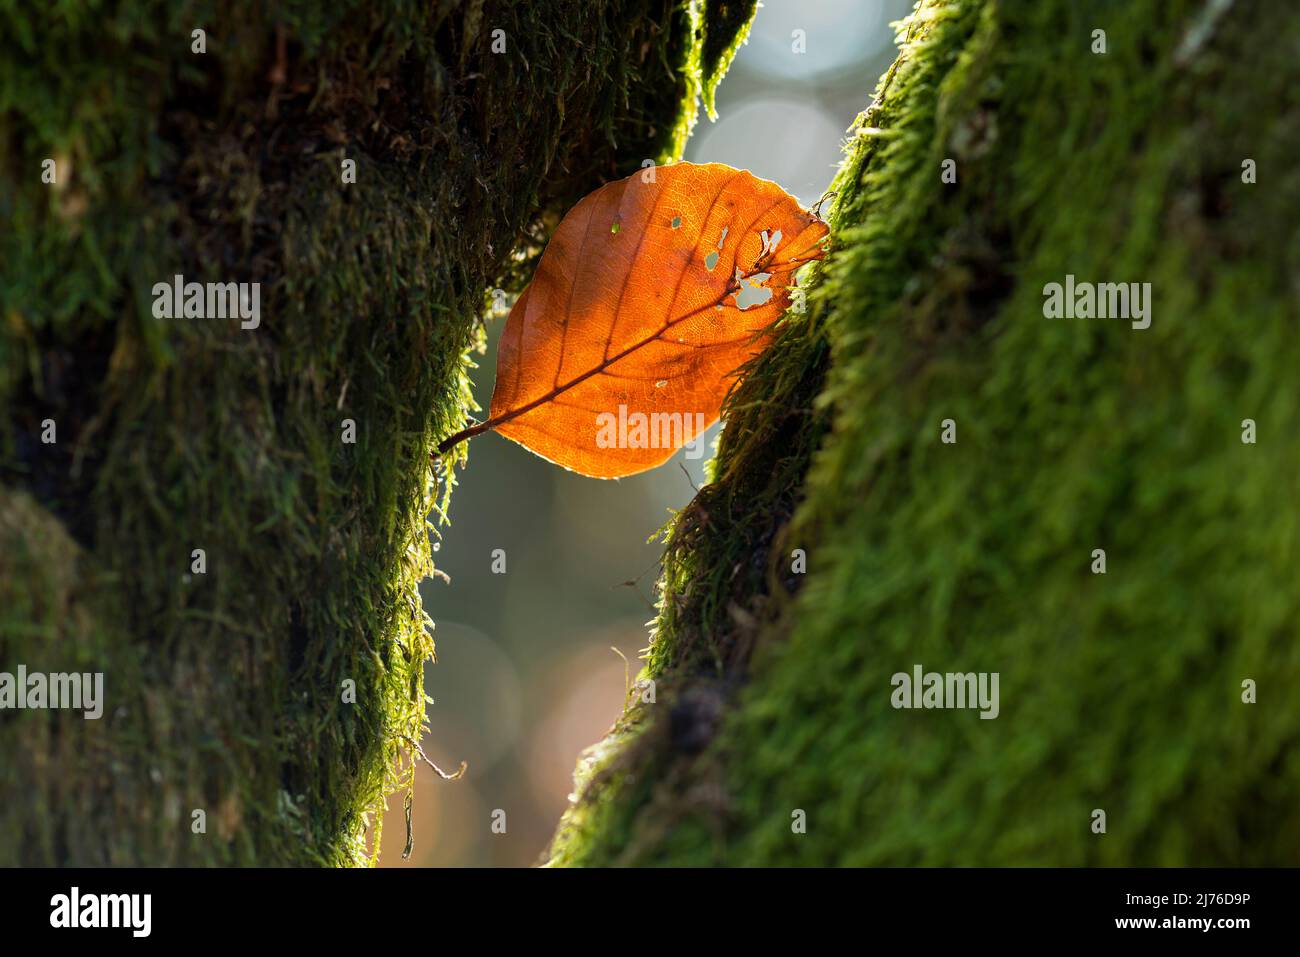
(687, 473)
(627, 676)
(439, 771)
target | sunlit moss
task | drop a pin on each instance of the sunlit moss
(1119, 691)
(226, 689)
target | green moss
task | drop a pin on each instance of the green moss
(723, 26)
(224, 689)
(1120, 692)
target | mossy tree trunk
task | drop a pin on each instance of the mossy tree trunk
(224, 157)
(1167, 157)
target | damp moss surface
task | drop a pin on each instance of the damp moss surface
(472, 126)
(772, 739)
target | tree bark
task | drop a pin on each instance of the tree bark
(951, 460)
(199, 526)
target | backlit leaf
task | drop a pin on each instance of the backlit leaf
(652, 292)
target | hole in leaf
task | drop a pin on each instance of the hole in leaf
(710, 261)
(753, 292)
(677, 222)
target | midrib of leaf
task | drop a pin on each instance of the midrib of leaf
(733, 285)
(654, 208)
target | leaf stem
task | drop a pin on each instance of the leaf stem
(451, 442)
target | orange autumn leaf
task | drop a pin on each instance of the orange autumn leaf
(647, 300)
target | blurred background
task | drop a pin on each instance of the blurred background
(526, 678)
